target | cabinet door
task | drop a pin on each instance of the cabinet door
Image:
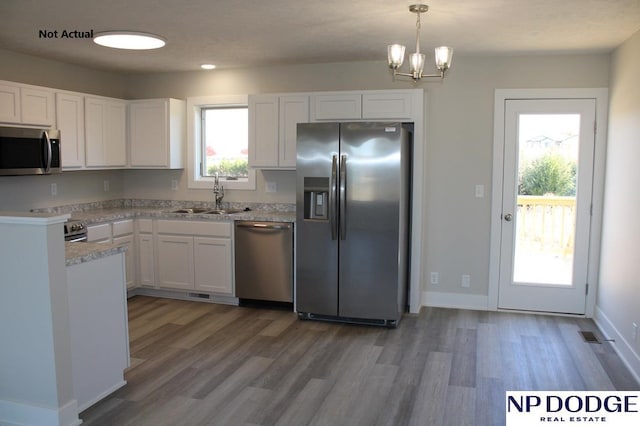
(175, 261)
(336, 106)
(116, 137)
(129, 258)
(95, 115)
(263, 131)
(70, 122)
(9, 104)
(146, 263)
(293, 110)
(105, 125)
(387, 105)
(37, 106)
(148, 139)
(213, 265)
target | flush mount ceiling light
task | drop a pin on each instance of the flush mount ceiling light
(395, 53)
(130, 40)
(207, 66)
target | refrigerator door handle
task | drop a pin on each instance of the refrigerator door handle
(333, 193)
(343, 197)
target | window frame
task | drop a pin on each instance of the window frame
(195, 105)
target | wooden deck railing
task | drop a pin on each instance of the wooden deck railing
(546, 223)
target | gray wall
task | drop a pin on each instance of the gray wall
(618, 295)
(459, 142)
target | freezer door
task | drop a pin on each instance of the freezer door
(316, 220)
(374, 220)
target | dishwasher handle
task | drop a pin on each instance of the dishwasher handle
(263, 225)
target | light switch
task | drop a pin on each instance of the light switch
(479, 191)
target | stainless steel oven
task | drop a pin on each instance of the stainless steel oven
(75, 231)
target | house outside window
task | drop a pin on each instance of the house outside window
(217, 141)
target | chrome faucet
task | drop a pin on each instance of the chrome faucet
(218, 192)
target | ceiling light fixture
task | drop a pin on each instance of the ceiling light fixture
(130, 40)
(395, 53)
(207, 66)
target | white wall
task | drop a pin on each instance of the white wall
(459, 142)
(618, 305)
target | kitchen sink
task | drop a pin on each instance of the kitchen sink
(224, 211)
(191, 210)
(206, 210)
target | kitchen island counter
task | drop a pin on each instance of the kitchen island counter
(76, 253)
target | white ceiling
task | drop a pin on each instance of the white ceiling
(239, 33)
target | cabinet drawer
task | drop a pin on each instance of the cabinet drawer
(219, 229)
(99, 232)
(122, 227)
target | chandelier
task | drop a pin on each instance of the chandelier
(395, 53)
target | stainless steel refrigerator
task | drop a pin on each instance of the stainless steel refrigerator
(353, 206)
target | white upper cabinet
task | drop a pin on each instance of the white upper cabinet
(336, 106)
(366, 105)
(38, 106)
(293, 110)
(105, 132)
(388, 105)
(157, 133)
(263, 131)
(22, 104)
(273, 121)
(9, 103)
(70, 122)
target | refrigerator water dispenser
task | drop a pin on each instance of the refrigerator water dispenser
(316, 198)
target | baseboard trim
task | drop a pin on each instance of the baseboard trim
(455, 300)
(15, 413)
(623, 348)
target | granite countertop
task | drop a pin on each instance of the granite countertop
(76, 253)
(102, 215)
(113, 210)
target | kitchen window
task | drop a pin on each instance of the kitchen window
(225, 142)
(217, 134)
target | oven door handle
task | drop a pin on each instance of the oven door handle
(77, 239)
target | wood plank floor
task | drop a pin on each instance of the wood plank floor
(205, 364)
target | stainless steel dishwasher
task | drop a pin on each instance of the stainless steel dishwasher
(264, 261)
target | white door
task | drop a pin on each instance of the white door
(547, 189)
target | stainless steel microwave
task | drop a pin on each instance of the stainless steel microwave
(28, 151)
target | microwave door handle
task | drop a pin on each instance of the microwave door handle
(47, 165)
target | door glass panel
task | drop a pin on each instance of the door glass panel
(546, 198)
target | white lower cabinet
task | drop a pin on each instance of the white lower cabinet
(195, 255)
(145, 253)
(175, 261)
(123, 235)
(212, 265)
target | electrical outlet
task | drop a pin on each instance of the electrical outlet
(479, 191)
(174, 184)
(106, 186)
(270, 187)
(54, 189)
(466, 281)
(434, 278)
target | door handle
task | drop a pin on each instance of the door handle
(508, 217)
(343, 197)
(333, 195)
